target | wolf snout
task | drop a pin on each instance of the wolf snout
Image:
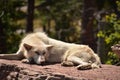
(41, 60)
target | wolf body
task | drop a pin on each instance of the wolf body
(39, 48)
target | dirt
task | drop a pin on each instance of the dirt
(107, 72)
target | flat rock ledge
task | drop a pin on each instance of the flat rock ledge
(15, 70)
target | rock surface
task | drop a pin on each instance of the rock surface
(15, 70)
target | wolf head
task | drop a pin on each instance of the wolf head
(38, 54)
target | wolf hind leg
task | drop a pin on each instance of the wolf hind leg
(84, 66)
(81, 64)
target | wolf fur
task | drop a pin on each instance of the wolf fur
(40, 48)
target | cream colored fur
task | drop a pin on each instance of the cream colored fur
(40, 48)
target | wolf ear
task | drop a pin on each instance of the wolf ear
(48, 46)
(27, 46)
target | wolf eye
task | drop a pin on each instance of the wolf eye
(37, 52)
(44, 53)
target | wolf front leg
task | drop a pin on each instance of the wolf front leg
(11, 56)
(16, 56)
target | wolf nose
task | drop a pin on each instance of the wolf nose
(42, 63)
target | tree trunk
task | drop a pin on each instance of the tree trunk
(2, 39)
(30, 16)
(87, 33)
(101, 50)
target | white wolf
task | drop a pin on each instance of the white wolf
(39, 48)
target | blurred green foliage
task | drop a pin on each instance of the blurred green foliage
(10, 29)
(60, 19)
(111, 35)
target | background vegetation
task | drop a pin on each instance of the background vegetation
(92, 22)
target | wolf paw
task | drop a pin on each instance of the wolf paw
(95, 66)
(84, 67)
(67, 63)
(25, 61)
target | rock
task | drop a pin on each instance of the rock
(15, 70)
